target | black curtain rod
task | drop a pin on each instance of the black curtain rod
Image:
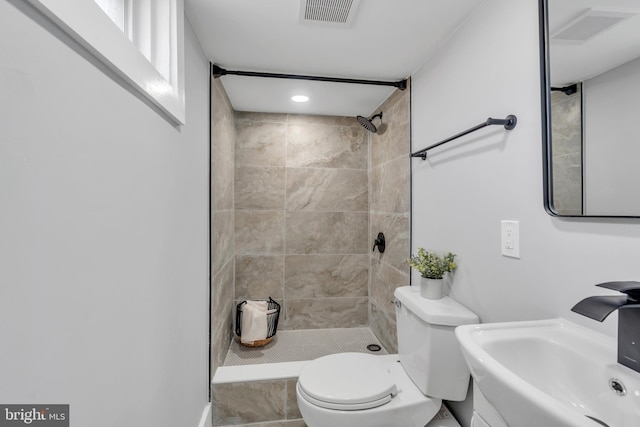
(509, 123)
(217, 72)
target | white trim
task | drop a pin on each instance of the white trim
(86, 23)
(206, 420)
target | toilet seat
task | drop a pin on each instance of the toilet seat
(347, 381)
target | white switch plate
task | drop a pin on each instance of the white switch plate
(510, 232)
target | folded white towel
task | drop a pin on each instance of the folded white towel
(254, 321)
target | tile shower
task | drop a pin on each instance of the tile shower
(295, 202)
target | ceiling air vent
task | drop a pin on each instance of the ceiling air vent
(589, 24)
(335, 13)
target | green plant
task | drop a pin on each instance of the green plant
(431, 265)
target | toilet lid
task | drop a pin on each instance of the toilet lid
(347, 381)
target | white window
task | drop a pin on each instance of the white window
(142, 40)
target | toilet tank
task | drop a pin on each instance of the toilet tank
(427, 345)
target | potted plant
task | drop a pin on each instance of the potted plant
(432, 268)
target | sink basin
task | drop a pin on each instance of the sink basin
(551, 373)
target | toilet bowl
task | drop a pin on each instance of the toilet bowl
(361, 390)
(406, 390)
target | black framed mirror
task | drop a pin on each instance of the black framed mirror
(590, 70)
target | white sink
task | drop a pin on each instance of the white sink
(550, 373)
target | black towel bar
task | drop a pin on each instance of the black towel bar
(509, 123)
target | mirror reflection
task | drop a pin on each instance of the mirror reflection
(594, 98)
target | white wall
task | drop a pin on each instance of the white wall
(611, 148)
(103, 236)
(460, 194)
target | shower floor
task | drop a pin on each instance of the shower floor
(299, 345)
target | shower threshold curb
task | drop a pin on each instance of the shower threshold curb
(265, 371)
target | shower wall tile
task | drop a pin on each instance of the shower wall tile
(222, 314)
(248, 402)
(317, 313)
(292, 400)
(327, 232)
(389, 186)
(320, 120)
(259, 232)
(308, 276)
(384, 281)
(302, 189)
(222, 222)
(384, 326)
(259, 277)
(326, 147)
(393, 138)
(396, 230)
(389, 172)
(222, 239)
(327, 190)
(259, 188)
(261, 144)
(245, 117)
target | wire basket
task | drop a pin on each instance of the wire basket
(272, 323)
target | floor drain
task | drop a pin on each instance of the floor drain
(374, 347)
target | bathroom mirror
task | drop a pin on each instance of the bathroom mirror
(590, 68)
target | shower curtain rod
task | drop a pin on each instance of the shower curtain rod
(218, 71)
(509, 123)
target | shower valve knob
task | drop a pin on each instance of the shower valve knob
(379, 242)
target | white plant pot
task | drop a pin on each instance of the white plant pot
(431, 288)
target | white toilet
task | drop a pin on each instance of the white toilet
(363, 390)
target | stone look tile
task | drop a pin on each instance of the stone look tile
(319, 313)
(396, 230)
(222, 150)
(288, 423)
(317, 120)
(245, 117)
(222, 314)
(261, 144)
(327, 190)
(259, 232)
(222, 239)
(327, 232)
(222, 220)
(390, 186)
(326, 147)
(308, 276)
(384, 281)
(259, 277)
(259, 188)
(393, 138)
(384, 328)
(292, 401)
(248, 402)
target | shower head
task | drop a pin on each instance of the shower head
(368, 123)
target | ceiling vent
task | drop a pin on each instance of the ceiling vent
(589, 24)
(333, 13)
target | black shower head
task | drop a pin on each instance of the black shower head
(368, 123)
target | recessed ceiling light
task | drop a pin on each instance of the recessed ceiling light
(300, 98)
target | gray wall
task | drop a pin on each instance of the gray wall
(301, 217)
(103, 236)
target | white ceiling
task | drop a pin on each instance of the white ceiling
(572, 63)
(387, 40)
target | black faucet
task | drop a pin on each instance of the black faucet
(628, 306)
